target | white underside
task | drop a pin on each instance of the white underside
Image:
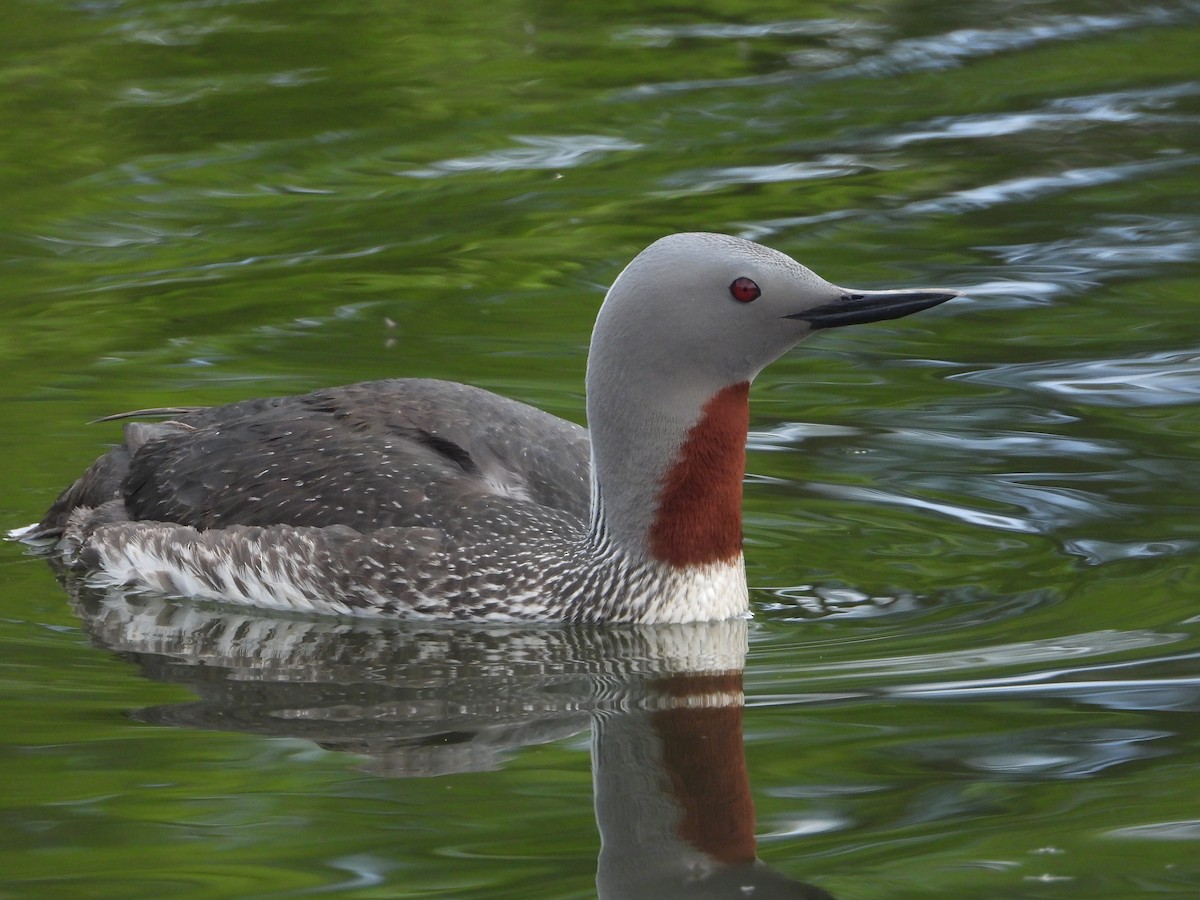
(274, 579)
(704, 593)
(282, 586)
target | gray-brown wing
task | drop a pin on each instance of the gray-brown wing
(379, 454)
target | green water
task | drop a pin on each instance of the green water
(972, 534)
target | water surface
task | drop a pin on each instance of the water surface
(971, 534)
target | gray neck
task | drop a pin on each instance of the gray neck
(638, 421)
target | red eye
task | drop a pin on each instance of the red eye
(743, 290)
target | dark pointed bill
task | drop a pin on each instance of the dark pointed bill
(856, 307)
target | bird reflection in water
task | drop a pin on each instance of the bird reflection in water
(664, 703)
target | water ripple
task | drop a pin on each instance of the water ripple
(1167, 378)
(1036, 652)
(928, 52)
(787, 435)
(178, 91)
(535, 152)
(1129, 242)
(1048, 753)
(1184, 830)
(1124, 694)
(958, 512)
(1007, 444)
(208, 271)
(833, 166)
(1056, 115)
(181, 32)
(1100, 552)
(1033, 187)
(666, 35)
(954, 47)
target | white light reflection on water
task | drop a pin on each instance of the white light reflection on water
(1029, 187)
(1165, 378)
(920, 54)
(1185, 830)
(534, 152)
(1039, 652)
(1059, 114)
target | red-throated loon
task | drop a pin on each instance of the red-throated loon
(423, 498)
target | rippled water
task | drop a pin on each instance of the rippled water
(973, 669)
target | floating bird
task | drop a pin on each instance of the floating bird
(431, 499)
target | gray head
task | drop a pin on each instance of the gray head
(715, 309)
